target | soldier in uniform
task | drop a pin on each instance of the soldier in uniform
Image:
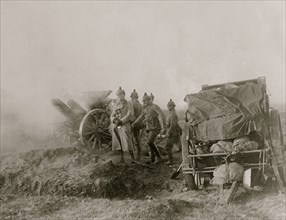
(121, 117)
(154, 119)
(152, 97)
(173, 132)
(137, 107)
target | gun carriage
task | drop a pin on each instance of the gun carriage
(87, 128)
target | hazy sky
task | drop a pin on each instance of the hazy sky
(168, 48)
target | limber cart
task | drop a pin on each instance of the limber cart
(225, 112)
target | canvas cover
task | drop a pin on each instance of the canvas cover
(226, 113)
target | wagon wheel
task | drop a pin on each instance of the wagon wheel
(66, 133)
(93, 129)
(199, 180)
(190, 181)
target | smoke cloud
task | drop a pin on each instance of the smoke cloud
(62, 49)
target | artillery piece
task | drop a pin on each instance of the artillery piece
(87, 128)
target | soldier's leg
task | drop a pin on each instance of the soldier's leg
(136, 134)
(157, 152)
(169, 146)
(132, 156)
(128, 139)
(150, 142)
(154, 147)
(178, 143)
(116, 145)
(151, 154)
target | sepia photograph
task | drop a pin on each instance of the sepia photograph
(152, 110)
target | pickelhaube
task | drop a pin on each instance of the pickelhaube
(120, 91)
(134, 94)
(171, 103)
(145, 97)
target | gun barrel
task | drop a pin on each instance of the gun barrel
(76, 108)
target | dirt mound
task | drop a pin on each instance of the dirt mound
(66, 184)
(67, 172)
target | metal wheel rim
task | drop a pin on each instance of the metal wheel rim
(199, 180)
(96, 133)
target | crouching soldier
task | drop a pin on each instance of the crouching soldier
(137, 107)
(173, 132)
(154, 119)
(121, 118)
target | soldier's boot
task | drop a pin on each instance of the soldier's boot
(151, 154)
(157, 153)
(171, 159)
(132, 156)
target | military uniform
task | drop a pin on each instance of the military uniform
(137, 107)
(136, 104)
(154, 120)
(121, 132)
(152, 97)
(174, 131)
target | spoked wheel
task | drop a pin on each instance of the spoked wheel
(199, 180)
(66, 133)
(191, 181)
(93, 130)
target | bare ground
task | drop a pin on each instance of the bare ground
(66, 184)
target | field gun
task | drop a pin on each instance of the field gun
(87, 128)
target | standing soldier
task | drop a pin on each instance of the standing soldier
(174, 131)
(155, 124)
(121, 118)
(137, 107)
(152, 97)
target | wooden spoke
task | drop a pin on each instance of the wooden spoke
(92, 136)
(89, 132)
(94, 143)
(199, 180)
(95, 123)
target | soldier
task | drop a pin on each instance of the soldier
(174, 131)
(137, 107)
(155, 124)
(152, 97)
(121, 118)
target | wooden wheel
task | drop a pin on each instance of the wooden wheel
(190, 181)
(199, 180)
(66, 133)
(94, 129)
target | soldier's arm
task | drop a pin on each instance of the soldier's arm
(140, 108)
(130, 114)
(170, 125)
(139, 119)
(161, 116)
(112, 117)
